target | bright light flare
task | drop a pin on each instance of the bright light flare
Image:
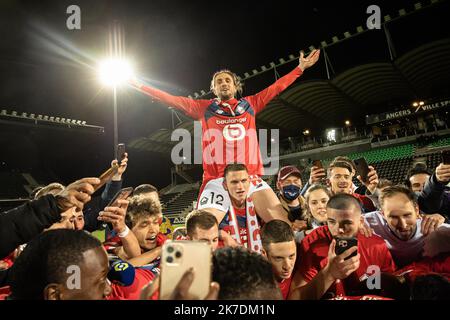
(114, 72)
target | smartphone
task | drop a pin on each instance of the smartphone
(176, 258)
(343, 244)
(362, 168)
(121, 195)
(120, 153)
(446, 157)
(317, 163)
(106, 176)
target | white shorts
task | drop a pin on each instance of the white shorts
(215, 196)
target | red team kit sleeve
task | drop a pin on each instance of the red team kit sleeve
(193, 108)
(262, 98)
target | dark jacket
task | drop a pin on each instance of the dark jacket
(21, 224)
(434, 198)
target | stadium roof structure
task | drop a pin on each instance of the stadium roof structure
(369, 85)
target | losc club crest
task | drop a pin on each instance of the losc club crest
(204, 200)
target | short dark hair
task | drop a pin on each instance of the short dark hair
(244, 275)
(144, 188)
(45, 260)
(384, 183)
(199, 218)
(344, 159)
(140, 207)
(418, 168)
(343, 201)
(389, 192)
(340, 164)
(430, 287)
(234, 167)
(276, 231)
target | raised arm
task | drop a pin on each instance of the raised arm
(192, 108)
(262, 98)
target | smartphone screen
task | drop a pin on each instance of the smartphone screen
(446, 157)
(343, 244)
(317, 163)
(362, 168)
(120, 152)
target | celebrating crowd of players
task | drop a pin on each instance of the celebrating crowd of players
(324, 239)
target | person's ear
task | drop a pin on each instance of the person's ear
(416, 210)
(224, 185)
(264, 253)
(52, 292)
(279, 187)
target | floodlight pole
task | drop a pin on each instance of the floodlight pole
(116, 129)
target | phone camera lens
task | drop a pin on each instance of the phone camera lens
(169, 259)
(178, 254)
(170, 249)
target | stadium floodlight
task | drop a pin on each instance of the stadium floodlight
(52, 119)
(347, 122)
(323, 44)
(196, 95)
(32, 116)
(202, 92)
(14, 113)
(291, 57)
(272, 64)
(311, 48)
(421, 103)
(415, 104)
(282, 60)
(331, 135)
(3, 112)
(359, 29)
(418, 6)
(387, 18)
(347, 34)
(255, 71)
(335, 39)
(83, 123)
(114, 71)
(306, 132)
(24, 114)
(402, 12)
(263, 68)
(246, 75)
(57, 119)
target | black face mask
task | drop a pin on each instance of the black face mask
(291, 192)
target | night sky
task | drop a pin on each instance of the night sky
(176, 45)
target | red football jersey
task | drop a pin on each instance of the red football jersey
(228, 127)
(313, 257)
(132, 292)
(284, 286)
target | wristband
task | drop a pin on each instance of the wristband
(124, 233)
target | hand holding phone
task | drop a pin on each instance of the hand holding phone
(179, 257)
(343, 244)
(107, 176)
(362, 169)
